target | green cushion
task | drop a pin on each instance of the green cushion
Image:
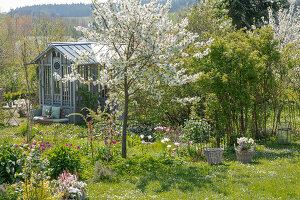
(55, 112)
(46, 111)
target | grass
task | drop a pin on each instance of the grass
(273, 174)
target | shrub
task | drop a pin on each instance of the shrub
(11, 162)
(196, 130)
(64, 157)
(7, 193)
(14, 96)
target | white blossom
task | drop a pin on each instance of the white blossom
(137, 42)
(285, 24)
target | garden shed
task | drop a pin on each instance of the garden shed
(58, 58)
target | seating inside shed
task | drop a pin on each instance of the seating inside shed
(49, 115)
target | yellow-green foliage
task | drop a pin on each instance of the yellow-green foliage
(34, 191)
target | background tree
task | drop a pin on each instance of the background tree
(238, 81)
(286, 28)
(245, 13)
(208, 18)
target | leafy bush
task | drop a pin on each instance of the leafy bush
(64, 157)
(14, 96)
(6, 193)
(196, 130)
(11, 162)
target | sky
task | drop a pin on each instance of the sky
(6, 5)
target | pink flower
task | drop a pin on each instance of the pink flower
(16, 145)
(70, 144)
(106, 142)
(113, 141)
(67, 144)
(47, 142)
(176, 144)
(41, 145)
(31, 146)
(78, 147)
(117, 132)
(118, 140)
(34, 143)
(43, 149)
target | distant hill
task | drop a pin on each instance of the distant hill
(79, 10)
(55, 10)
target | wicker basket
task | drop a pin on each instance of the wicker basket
(214, 155)
(244, 156)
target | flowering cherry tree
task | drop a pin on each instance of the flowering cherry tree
(142, 47)
(285, 24)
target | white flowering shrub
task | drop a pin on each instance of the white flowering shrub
(245, 143)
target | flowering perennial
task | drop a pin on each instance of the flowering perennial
(69, 185)
(245, 143)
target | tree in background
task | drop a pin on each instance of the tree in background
(25, 39)
(286, 28)
(208, 18)
(238, 80)
(245, 13)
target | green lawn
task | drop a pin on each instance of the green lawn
(274, 174)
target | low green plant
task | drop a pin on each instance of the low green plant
(64, 157)
(141, 164)
(11, 162)
(196, 129)
(35, 182)
(102, 172)
(7, 193)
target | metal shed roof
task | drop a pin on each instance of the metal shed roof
(77, 52)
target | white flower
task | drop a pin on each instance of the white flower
(163, 141)
(177, 144)
(169, 146)
(166, 139)
(142, 136)
(149, 137)
(251, 141)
